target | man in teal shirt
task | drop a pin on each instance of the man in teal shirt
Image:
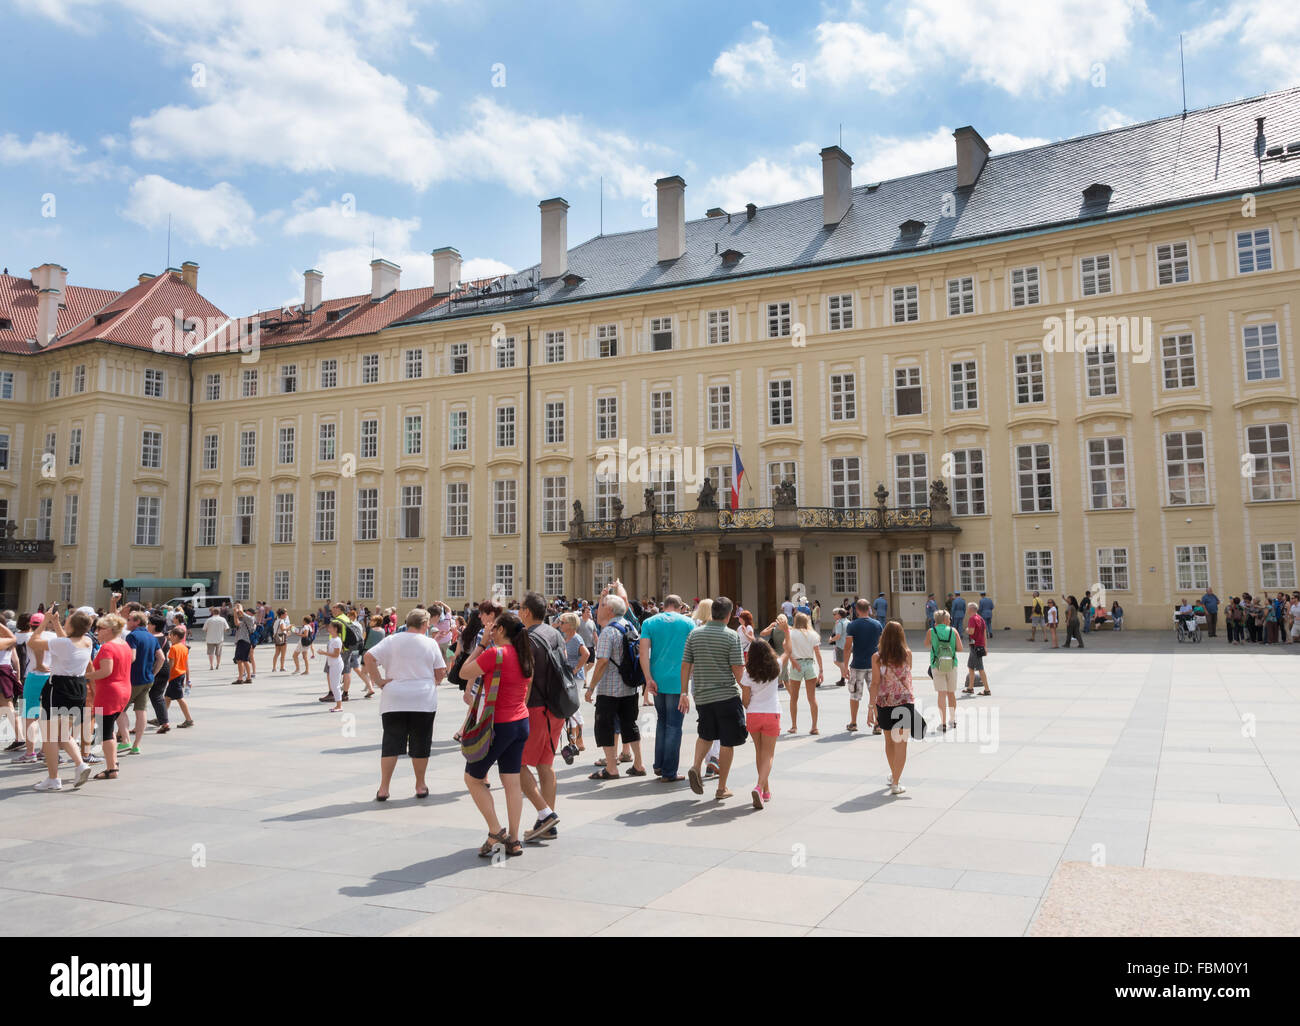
(663, 639)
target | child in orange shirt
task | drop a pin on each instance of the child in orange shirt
(176, 683)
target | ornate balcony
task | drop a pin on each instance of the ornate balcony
(23, 550)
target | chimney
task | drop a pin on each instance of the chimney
(672, 217)
(972, 152)
(312, 284)
(190, 274)
(446, 270)
(837, 185)
(555, 237)
(385, 276)
(49, 280)
(144, 277)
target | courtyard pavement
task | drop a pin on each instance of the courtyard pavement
(1125, 788)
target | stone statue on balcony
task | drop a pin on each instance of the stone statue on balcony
(8, 529)
(649, 496)
(578, 517)
(938, 495)
(708, 498)
(783, 495)
(882, 494)
(616, 507)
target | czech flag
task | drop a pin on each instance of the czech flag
(737, 475)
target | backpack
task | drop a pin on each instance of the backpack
(562, 700)
(352, 636)
(629, 667)
(943, 663)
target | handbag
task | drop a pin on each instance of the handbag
(476, 732)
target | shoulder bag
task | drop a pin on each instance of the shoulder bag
(476, 732)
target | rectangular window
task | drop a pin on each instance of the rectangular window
(207, 533)
(1030, 387)
(148, 517)
(839, 312)
(284, 518)
(503, 580)
(456, 580)
(719, 325)
(74, 447)
(324, 518)
(56, 384)
(1178, 361)
(504, 507)
(606, 418)
(907, 392)
(243, 586)
(285, 449)
(248, 383)
(1102, 368)
(1034, 477)
(555, 499)
(505, 350)
(245, 518)
(369, 439)
(553, 347)
(661, 334)
(412, 510)
(664, 485)
(606, 340)
(326, 449)
(1024, 286)
(457, 510)
(719, 407)
(248, 449)
(1107, 473)
(1094, 275)
(778, 320)
(780, 402)
(606, 493)
(602, 574)
(778, 472)
(151, 450)
(212, 387)
(720, 477)
(324, 585)
(410, 582)
(1269, 446)
(1254, 251)
(6, 384)
(367, 514)
(1192, 563)
(970, 572)
(65, 587)
(911, 487)
(1185, 468)
(370, 368)
(289, 378)
(458, 431)
(45, 519)
(844, 575)
(153, 384)
(968, 482)
(79, 379)
(911, 572)
(961, 296)
(413, 434)
(413, 364)
(505, 427)
(365, 582)
(329, 373)
(71, 507)
(1038, 571)
(1277, 565)
(459, 353)
(846, 482)
(4, 452)
(1263, 357)
(1173, 266)
(661, 413)
(554, 423)
(844, 397)
(906, 303)
(552, 579)
(280, 586)
(1112, 569)
(965, 386)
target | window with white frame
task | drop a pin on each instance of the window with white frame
(6, 384)
(970, 572)
(1107, 473)
(968, 482)
(1112, 568)
(245, 518)
(663, 483)
(908, 401)
(289, 378)
(961, 296)
(552, 579)
(964, 384)
(1185, 468)
(553, 347)
(839, 312)
(844, 575)
(369, 439)
(413, 364)
(51, 443)
(778, 320)
(458, 357)
(148, 517)
(324, 584)
(1263, 356)
(4, 452)
(325, 449)
(503, 580)
(1173, 265)
(369, 368)
(906, 303)
(846, 482)
(413, 434)
(457, 510)
(456, 580)
(1038, 571)
(1034, 477)
(365, 582)
(1178, 361)
(324, 516)
(45, 519)
(1192, 565)
(243, 586)
(153, 384)
(151, 450)
(505, 350)
(285, 448)
(247, 449)
(410, 582)
(911, 572)
(719, 407)
(412, 511)
(554, 422)
(367, 514)
(719, 327)
(1269, 446)
(1101, 366)
(65, 587)
(285, 511)
(661, 334)
(505, 427)
(56, 384)
(458, 431)
(1094, 275)
(79, 379)
(248, 383)
(844, 397)
(329, 373)
(1030, 384)
(280, 586)
(911, 489)
(780, 402)
(779, 471)
(555, 508)
(74, 447)
(606, 417)
(720, 477)
(661, 413)
(1254, 251)
(606, 340)
(1277, 565)
(602, 575)
(505, 518)
(71, 508)
(1024, 286)
(607, 491)
(212, 387)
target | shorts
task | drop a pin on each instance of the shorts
(351, 659)
(723, 722)
(64, 696)
(407, 733)
(175, 687)
(214, 648)
(617, 716)
(901, 717)
(543, 736)
(803, 669)
(33, 685)
(1036, 621)
(975, 661)
(763, 723)
(944, 680)
(858, 683)
(140, 696)
(243, 650)
(506, 752)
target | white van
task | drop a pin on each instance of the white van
(201, 612)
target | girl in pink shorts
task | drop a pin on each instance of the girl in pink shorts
(760, 691)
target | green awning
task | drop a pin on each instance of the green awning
(183, 583)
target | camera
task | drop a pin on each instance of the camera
(568, 753)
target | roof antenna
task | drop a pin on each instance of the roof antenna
(841, 143)
(1182, 74)
(602, 204)
(169, 240)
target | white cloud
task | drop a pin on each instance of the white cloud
(1266, 33)
(428, 49)
(1107, 118)
(344, 223)
(219, 216)
(427, 95)
(851, 54)
(764, 182)
(347, 270)
(750, 63)
(54, 151)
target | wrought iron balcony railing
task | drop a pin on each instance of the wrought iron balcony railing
(768, 518)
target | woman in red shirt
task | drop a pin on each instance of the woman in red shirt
(110, 676)
(505, 642)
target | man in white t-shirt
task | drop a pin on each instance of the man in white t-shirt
(214, 633)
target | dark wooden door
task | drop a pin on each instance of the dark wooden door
(729, 577)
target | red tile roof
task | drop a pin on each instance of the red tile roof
(18, 306)
(142, 314)
(342, 318)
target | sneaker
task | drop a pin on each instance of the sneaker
(48, 785)
(83, 774)
(64, 760)
(897, 789)
(123, 748)
(757, 795)
(27, 759)
(92, 758)
(711, 770)
(13, 746)
(542, 827)
(133, 750)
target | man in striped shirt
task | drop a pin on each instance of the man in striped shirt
(712, 665)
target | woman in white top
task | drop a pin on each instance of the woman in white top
(412, 668)
(804, 659)
(281, 632)
(63, 700)
(760, 691)
(333, 653)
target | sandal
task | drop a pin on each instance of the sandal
(604, 775)
(106, 775)
(986, 691)
(422, 794)
(380, 797)
(636, 772)
(814, 731)
(851, 727)
(625, 757)
(489, 846)
(513, 848)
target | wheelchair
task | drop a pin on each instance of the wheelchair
(1186, 629)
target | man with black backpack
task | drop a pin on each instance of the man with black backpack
(546, 697)
(353, 635)
(616, 680)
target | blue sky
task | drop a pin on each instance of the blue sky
(281, 136)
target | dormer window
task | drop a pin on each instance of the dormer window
(731, 257)
(911, 227)
(1097, 195)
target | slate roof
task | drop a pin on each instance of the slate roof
(1160, 163)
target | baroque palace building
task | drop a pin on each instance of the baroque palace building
(903, 368)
